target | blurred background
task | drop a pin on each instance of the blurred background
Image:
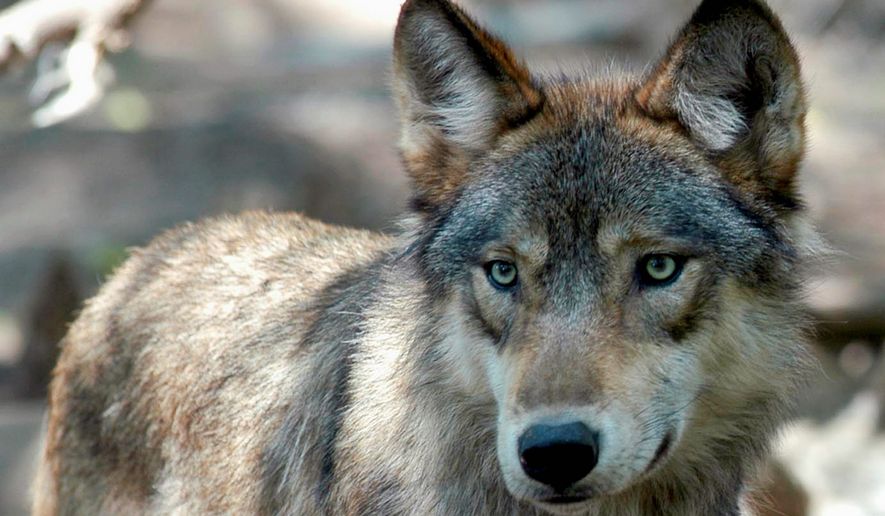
(213, 106)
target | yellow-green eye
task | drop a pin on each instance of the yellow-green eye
(501, 274)
(660, 269)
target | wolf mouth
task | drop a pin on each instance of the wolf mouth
(565, 504)
(565, 500)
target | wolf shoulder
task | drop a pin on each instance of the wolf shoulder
(212, 287)
(235, 267)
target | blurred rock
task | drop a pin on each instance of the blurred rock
(877, 387)
(841, 462)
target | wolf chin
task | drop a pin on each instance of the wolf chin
(592, 306)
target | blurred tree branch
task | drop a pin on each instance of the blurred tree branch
(87, 27)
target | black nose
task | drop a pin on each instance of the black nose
(558, 455)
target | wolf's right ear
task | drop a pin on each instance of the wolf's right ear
(458, 88)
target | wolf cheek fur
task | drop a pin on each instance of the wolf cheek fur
(592, 307)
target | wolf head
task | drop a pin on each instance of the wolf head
(618, 258)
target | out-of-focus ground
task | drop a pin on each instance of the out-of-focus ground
(224, 105)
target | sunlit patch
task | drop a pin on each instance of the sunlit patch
(128, 110)
(357, 19)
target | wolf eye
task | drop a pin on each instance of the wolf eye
(660, 269)
(501, 274)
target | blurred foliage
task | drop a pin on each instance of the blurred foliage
(104, 259)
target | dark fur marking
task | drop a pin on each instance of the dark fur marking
(696, 311)
(421, 204)
(343, 318)
(339, 400)
(484, 325)
(340, 308)
(750, 96)
(487, 62)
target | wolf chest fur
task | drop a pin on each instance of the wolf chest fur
(592, 306)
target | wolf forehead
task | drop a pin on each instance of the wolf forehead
(589, 170)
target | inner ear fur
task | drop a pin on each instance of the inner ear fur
(731, 79)
(458, 88)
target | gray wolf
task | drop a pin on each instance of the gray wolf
(592, 307)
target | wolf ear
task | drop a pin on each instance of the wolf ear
(458, 89)
(731, 80)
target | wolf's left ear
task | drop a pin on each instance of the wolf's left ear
(732, 80)
(458, 89)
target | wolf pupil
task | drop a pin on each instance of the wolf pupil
(502, 274)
